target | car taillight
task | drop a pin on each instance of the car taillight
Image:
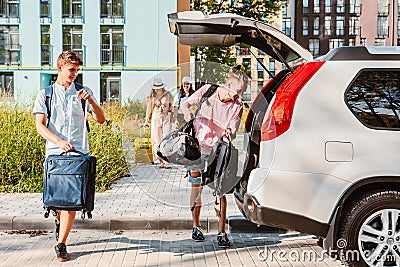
(280, 115)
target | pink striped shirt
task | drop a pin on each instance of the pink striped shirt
(213, 118)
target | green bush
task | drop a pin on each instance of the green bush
(22, 149)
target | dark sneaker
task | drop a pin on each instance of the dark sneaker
(223, 241)
(198, 234)
(61, 251)
(57, 229)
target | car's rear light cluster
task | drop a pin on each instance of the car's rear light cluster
(280, 115)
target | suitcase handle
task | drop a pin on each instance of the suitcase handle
(73, 151)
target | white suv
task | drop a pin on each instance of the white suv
(324, 139)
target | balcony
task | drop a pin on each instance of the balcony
(113, 9)
(10, 9)
(355, 9)
(72, 12)
(383, 10)
(10, 56)
(46, 55)
(112, 55)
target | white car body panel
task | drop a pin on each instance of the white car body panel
(295, 175)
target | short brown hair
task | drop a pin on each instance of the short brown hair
(69, 57)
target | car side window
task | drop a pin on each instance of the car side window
(374, 98)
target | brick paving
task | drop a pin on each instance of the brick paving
(163, 248)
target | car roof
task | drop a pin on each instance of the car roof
(226, 29)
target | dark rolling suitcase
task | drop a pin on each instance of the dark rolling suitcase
(69, 181)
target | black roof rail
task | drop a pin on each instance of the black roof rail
(358, 53)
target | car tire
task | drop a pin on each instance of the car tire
(369, 230)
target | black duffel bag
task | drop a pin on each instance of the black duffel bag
(181, 146)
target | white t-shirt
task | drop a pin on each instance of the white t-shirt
(63, 103)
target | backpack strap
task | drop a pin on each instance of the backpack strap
(48, 95)
(210, 91)
(78, 87)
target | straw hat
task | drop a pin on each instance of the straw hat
(158, 83)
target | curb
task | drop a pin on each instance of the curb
(234, 224)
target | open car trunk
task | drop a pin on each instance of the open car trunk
(223, 30)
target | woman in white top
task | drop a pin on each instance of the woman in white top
(185, 91)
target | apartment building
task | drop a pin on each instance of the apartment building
(124, 45)
(321, 25)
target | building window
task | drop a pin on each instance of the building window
(7, 84)
(340, 8)
(316, 26)
(305, 7)
(286, 26)
(46, 48)
(110, 87)
(72, 9)
(313, 46)
(305, 26)
(112, 45)
(339, 25)
(260, 85)
(246, 62)
(328, 26)
(354, 26)
(317, 8)
(284, 10)
(374, 98)
(9, 8)
(260, 69)
(272, 66)
(383, 7)
(242, 50)
(328, 6)
(355, 7)
(379, 42)
(112, 9)
(261, 53)
(382, 26)
(363, 41)
(398, 42)
(72, 39)
(333, 43)
(45, 7)
(9, 45)
(352, 42)
(398, 26)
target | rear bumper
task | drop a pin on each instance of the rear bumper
(267, 216)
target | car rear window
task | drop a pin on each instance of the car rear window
(374, 98)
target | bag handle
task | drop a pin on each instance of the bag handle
(72, 151)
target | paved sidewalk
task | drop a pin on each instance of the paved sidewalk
(164, 248)
(151, 198)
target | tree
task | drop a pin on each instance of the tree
(261, 10)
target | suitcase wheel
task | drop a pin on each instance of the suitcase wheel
(46, 214)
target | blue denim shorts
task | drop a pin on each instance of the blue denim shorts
(201, 166)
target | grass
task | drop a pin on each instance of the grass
(22, 149)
